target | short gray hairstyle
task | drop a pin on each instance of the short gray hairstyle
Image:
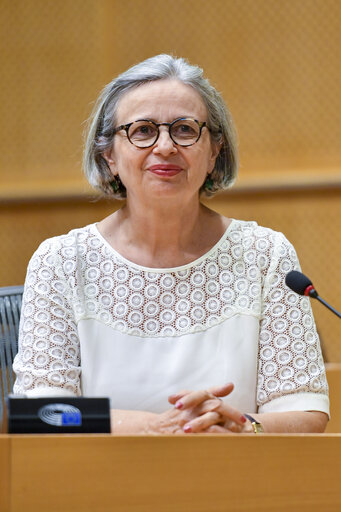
(102, 122)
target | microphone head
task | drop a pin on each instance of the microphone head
(297, 282)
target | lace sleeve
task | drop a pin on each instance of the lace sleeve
(291, 374)
(48, 360)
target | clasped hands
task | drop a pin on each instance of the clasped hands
(202, 412)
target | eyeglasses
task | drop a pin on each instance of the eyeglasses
(144, 133)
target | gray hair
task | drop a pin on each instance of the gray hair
(160, 67)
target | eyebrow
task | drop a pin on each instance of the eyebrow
(149, 118)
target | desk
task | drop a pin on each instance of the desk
(100, 473)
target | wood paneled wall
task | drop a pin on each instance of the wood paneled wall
(277, 65)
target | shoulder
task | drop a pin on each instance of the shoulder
(73, 238)
(54, 264)
(56, 250)
(262, 237)
(250, 228)
(267, 247)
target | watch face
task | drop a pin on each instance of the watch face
(258, 428)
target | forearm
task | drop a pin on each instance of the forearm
(292, 422)
(131, 422)
(169, 422)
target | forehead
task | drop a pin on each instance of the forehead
(161, 101)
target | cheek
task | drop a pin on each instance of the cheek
(204, 159)
(129, 163)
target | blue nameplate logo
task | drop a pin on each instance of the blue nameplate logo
(61, 415)
(71, 419)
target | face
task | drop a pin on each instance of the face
(165, 169)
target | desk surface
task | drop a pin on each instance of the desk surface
(99, 473)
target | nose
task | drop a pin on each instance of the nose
(164, 144)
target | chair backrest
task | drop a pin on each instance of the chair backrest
(10, 307)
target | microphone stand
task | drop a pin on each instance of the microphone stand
(313, 293)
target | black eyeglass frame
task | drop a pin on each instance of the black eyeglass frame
(126, 127)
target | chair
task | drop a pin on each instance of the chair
(10, 307)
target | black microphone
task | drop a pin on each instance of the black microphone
(301, 284)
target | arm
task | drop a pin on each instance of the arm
(291, 422)
(48, 360)
(227, 421)
(292, 392)
(131, 422)
(291, 373)
(196, 408)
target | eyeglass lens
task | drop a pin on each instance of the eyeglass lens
(184, 132)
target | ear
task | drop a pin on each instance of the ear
(109, 158)
(215, 150)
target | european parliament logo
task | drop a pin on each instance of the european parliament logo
(60, 415)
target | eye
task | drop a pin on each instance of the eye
(142, 130)
(185, 129)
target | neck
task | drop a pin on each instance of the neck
(163, 235)
(162, 226)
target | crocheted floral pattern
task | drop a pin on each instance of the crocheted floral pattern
(79, 276)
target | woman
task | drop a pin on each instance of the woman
(179, 315)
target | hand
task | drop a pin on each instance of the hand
(198, 411)
(203, 411)
(175, 420)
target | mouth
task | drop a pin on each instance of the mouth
(166, 170)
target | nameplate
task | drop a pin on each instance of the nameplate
(55, 415)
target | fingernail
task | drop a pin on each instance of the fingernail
(243, 419)
(179, 405)
(187, 429)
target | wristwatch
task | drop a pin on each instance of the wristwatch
(257, 427)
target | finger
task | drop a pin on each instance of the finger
(218, 391)
(217, 405)
(193, 399)
(208, 405)
(201, 423)
(230, 413)
(172, 399)
(233, 427)
(216, 429)
(221, 391)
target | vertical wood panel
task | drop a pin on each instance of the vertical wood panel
(5, 468)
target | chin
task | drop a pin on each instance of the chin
(165, 189)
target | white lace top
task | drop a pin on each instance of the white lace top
(96, 324)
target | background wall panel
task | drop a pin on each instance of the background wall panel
(50, 58)
(276, 63)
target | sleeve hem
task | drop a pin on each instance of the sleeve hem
(297, 402)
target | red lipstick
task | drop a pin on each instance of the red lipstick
(165, 169)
